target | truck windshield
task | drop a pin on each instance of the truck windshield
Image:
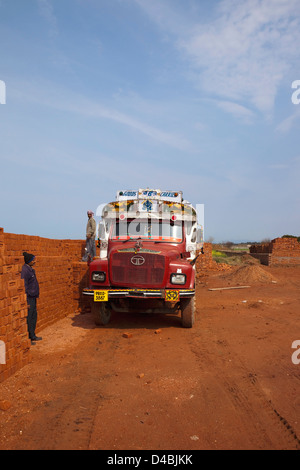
(162, 231)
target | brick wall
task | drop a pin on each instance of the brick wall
(205, 262)
(80, 280)
(61, 277)
(279, 252)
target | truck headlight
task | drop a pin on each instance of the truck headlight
(178, 278)
(98, 276)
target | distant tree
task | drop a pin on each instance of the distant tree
(229, 245)
(291, 236)
(266, 240)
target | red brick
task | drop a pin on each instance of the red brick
(59, 274)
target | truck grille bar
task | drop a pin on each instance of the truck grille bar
(149, 273)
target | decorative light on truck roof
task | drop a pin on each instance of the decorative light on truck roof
(132, 194)
(149, 193)
(168, 194)
(123, 209)
(158, 194)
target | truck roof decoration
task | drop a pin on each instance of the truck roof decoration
(151, 204)
(154, 194)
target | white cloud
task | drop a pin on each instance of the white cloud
(243, 53)
(200, 126)
(88, 108)
(46, 11)
(62, 99)
(236, 110)
(279, 166)
(287, 124)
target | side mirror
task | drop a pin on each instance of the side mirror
(101, 231)
(194, 236)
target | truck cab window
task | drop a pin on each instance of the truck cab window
(148, 229)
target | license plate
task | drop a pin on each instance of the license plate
(101, 296)
(172, 295)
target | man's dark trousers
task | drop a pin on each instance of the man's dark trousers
(32, 317)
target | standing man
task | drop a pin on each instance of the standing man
(90, 237)
(32, 291)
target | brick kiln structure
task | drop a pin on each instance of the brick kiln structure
(61, 277)
(279, 252)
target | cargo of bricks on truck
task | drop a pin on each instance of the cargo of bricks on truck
(148, 242)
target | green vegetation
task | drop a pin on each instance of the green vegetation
(291, 236)
(217, 254)
(221, 257)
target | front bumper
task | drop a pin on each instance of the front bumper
(165, 294)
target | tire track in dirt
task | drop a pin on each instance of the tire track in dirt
(227, 383)
(288, 427)
(250, 402)
(55, 405)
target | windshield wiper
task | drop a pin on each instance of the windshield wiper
(132, 239)
(128, 239)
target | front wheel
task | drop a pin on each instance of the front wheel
(101, 312)
(188, 312)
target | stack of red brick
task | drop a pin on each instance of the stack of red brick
(280, 251)
(80, 280)
(61, 277)
(13, 313)
(285, 251)
(262, 248)
(205, 262)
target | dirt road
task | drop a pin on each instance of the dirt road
(228, 383)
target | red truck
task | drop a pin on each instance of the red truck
(148, 242)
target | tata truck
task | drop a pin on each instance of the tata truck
(147, 262)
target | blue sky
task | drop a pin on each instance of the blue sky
(191, 95)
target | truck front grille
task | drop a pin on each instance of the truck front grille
(150, 273)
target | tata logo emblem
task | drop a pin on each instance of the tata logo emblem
(138, 260)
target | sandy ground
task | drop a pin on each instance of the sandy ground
(227, 383)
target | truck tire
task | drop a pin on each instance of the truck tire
(101, 312)
(188, 312)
